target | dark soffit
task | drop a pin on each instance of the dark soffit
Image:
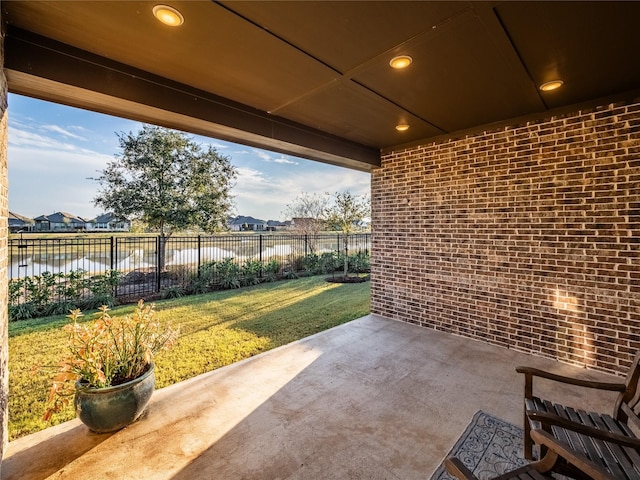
(313, 78)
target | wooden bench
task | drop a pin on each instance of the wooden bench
(623, 410)
(566, 424)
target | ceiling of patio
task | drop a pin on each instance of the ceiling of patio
(313, 78)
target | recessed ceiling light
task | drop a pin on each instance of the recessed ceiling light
(552, 85)
(168, 15)
(403, 127)
(400, 62)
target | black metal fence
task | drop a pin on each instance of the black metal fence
(136, 259)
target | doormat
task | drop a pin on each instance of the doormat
(488, 447)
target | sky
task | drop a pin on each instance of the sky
(55, 150)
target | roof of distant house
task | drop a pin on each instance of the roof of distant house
(106, 218)
(276, 223)
(241, 220)
(15, 216)
(59, 217)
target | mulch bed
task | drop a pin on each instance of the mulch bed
(347, 279)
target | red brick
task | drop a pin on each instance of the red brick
(525, 236)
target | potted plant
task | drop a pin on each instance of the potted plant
(108, 368)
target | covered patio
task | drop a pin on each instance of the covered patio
(371, 399)
(505, 213)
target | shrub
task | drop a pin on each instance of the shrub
(39, 289)
(359, 263)
(71, 286)
(175, 291)
(271, 270)
(250, 272)
(59, 293)
(310, 263)
(22, 311)
(204, 281)
(228, 273)
(329, 262)
(106, 284)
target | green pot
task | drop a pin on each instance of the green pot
(112, 408)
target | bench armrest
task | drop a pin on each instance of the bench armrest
(456, 468)
(530, 372)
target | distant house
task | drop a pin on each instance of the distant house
(18, 223)
(246, 224)
(59, 222)
(108, 222)
(273, 225)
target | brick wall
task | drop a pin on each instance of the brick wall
(526, 237)
(4, 206)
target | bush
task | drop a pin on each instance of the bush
(173, 292)
(310, 263)
(321, 264)
(271, 271)
(330, 262)
(205, 279)
(22, 311)
(359, 263)
(59, 293)
(228, 273)
(250, 272)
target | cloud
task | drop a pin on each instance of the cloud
(258, 194)
(327, 179)
(62, 131)
(21, 140)
(36, 161)
(285, 161)
(241, 152)
(19, 137)
(250, 179)
(268, 157)
(265, 195)
(217, 145)
(261, 154)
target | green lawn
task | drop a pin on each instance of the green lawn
(216, 329)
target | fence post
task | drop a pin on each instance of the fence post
(260, 255)
(158, 246)
(111, 251)
(199, 246)
(306, 244)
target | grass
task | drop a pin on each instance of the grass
(216, 329)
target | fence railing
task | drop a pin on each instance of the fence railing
(137, 258)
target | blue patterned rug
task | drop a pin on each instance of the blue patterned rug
(488, 447)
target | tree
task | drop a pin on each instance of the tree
(166, 180)
(347, 214)
(307, 213)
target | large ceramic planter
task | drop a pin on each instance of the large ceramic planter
(112, 408)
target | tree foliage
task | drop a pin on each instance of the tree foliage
(346, 214)
(166, 180)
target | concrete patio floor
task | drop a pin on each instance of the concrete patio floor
(371, 399)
